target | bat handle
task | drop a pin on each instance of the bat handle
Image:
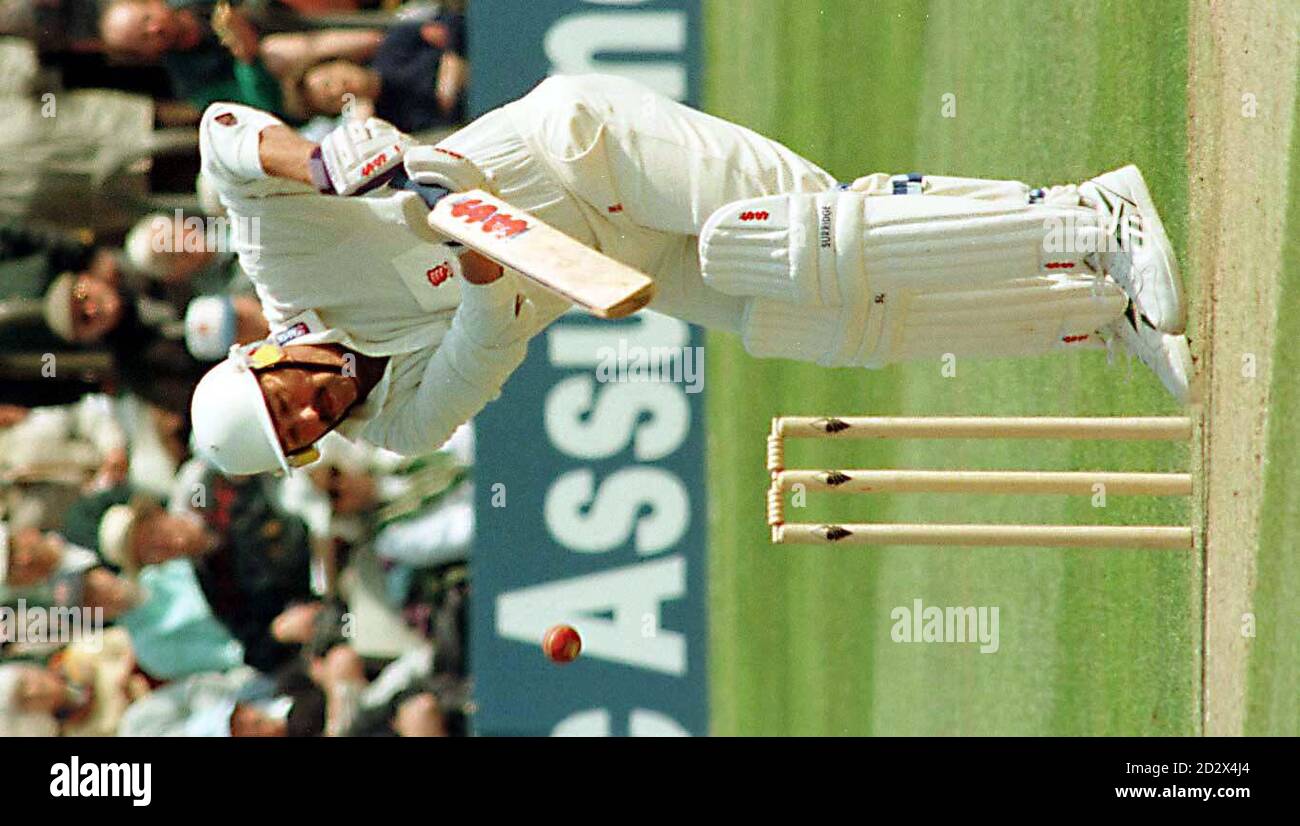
(428, 193)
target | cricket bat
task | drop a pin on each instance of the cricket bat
(515, 239)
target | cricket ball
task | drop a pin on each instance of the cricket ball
(562, 644)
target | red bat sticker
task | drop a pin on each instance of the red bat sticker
(501, 224)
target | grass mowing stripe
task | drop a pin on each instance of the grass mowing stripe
(788, 645)
(1273, 681)
(1129, 625)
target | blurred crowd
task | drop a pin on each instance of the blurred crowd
(142, 593)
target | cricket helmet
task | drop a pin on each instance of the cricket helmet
(232, 424)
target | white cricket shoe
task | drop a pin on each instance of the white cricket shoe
(1166, 354)
(1145, 265)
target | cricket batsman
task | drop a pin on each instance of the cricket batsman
(386, 331)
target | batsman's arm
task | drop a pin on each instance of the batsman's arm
(358, 156)
(284, 153)
(487, 341)
(241, 145)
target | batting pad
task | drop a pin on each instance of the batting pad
(839, 247)
(1018, 317)
(934, 242)
(1024, 317)
(773, 247)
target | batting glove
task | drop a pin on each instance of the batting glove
(357, 157)
(435, 166)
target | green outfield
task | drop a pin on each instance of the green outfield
(1091, 642)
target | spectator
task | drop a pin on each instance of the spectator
(136, 532)
(82, 309)
(52, 455)
(103, 668)
(204, 68)
(416, 80)
(44, 570)
(173, 630)
(32, 562)
(29, 697)
(419, 512)
(83, 439)
(180, 36)
(28, 557)
(261, 562)
(196, 270)
(31, 259)
(48, 278)
(229, 704)
(407, 699)
(30, 263)
(177, 250)
(140, 339)
(100, 588)
(55, 289)
(213, 323)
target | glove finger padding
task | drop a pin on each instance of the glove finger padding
(435, 166)
(358, 156)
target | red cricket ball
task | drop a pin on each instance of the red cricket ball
(562, 644)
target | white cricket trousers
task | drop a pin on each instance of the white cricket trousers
(636, 175)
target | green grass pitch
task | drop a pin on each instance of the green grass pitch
(1090, 642)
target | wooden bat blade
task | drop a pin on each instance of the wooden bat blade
(516, 239)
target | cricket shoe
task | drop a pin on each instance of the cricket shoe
(1166, 354)
(1142, 260)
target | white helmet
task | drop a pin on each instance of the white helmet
(231, 423)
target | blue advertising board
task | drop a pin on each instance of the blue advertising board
(590, 467)
(514, 44)
(591, 512)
